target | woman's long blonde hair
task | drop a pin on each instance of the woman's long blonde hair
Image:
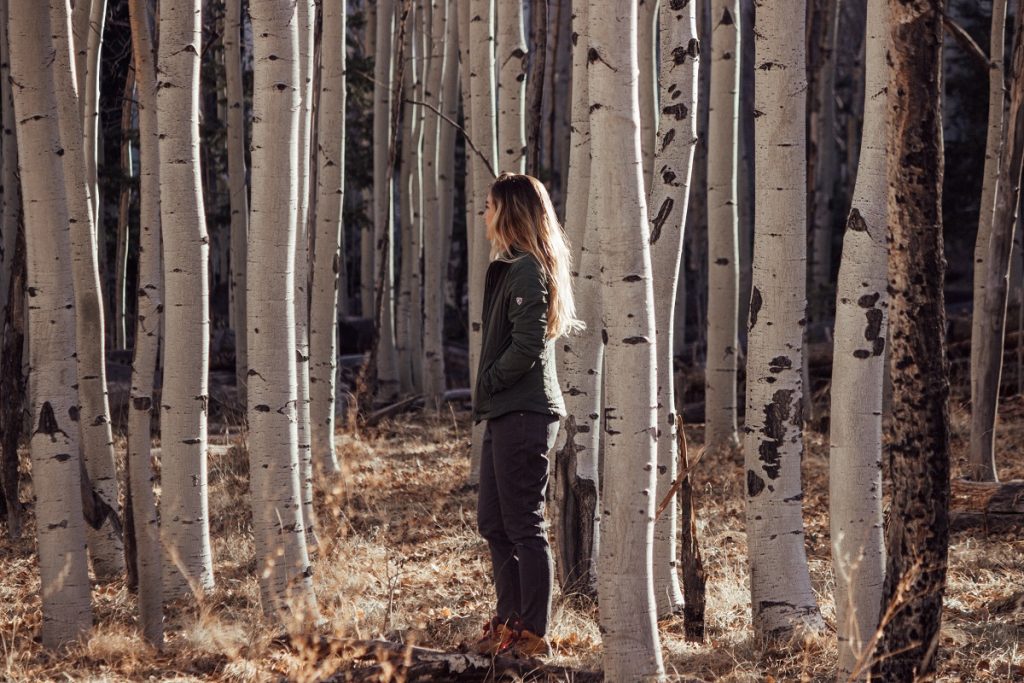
(525, 219)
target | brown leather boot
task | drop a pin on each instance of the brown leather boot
(529, 644)
(496, 640)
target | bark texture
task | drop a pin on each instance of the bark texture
(512, 63)
(668, 197)
(723, 227)
(54, 440)
(328, 254)
(141, 474)
(855, 438)
(184, 506)
(275, 486)
(917, 535)
(782, 600)
(618, 213)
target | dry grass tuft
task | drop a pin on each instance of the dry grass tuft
(399, 558)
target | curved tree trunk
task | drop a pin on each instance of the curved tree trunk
(482, 120)
(917, 534)
(237, 188)
(668, 198)
(438, 160)
(383, 204)
(575, 487)
(625, 581)
(647, 46)
(105, 547)
(512, 61)
(781, 597)
(54, 444)
(147, 331)
(307, 21)
(855, 462)
(184, 507)
(982, 451)
(328, 253)
(723, 228)
(275, 485)
(123, 209)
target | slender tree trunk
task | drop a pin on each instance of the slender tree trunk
(438, 155)
(407, 211)
(147, 330)
(383, 203)
(576, 471)
(123, 210)
(237, 186)
(89, 92)
(917, 534)
(105, 546)
(982, 453)
(10, 191)
(625, 581)
(561, 92)
(535, 84)
(328, 247)
(723, 228)
(668, 198)
(647, 46)
(184, 506)
(306, 65)
(781, 597)
(483, 119)
(512, 65)
(275, 483)
(367, 250)
(823, 15)
(855, 464)
(991, 317)
(54, 444)
(415, 342)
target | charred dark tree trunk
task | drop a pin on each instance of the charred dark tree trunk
(12, 388)
(694, 576)
(917, 535)
(535, 83)
(575, 533)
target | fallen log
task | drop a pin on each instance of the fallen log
(374, 660)
(994, 507)
(411, 403)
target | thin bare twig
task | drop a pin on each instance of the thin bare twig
(469, 140)
(957, 32)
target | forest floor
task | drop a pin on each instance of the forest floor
(399, 558)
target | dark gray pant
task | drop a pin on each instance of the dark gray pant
(510, 514)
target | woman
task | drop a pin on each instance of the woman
(527, 305)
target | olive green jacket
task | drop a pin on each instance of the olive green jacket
(517, 364)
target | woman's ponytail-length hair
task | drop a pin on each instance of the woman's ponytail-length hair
(525, 219)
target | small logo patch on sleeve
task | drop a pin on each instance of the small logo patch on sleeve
(519, 301)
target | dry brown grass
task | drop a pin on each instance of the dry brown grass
(399, 557)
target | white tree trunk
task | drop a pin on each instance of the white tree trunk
(147, 331)
(512, 56)
(278, 530)
(105, 546)
(576, 471)
(54, 444)
(184, 507)
(407, 200)
(723, 228)
(438, 162)
(383, 203)
(328, 253)
(89, 91)
(307, 20)
(982, 453)
(483, 133)
(855, 462)
(10, 204)
(625, 580)
(647, 46)
(781, 597)
(237, 187)
(668, 198)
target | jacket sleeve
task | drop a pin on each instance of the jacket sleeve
(528, 313)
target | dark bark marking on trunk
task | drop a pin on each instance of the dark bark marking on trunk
(776, 415)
